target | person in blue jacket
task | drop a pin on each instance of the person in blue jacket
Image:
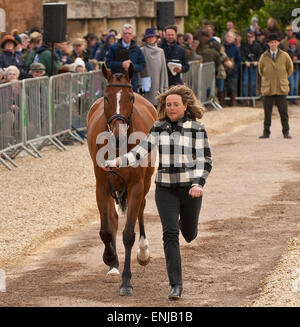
(233, 53)
(174, 53)
(103, 50)
(9, 57)
(124, 52)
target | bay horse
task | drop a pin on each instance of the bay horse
(120, 107)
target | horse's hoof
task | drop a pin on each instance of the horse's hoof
(126, 291)
(109, 260)
(113, 276)
(143, 262)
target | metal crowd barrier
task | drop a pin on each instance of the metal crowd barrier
(11, 122)
(86, 89)
(191, 77)
(38, 111)
(249, 83)
(202, 80)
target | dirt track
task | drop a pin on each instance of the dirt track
(250, 211)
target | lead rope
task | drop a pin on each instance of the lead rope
(116, 195)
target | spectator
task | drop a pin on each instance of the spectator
(100, 43)
(221, 75)
(91, 40)
(9, 58)
(37, 69)
(289, 35)
(275, 66)
(36, 41)
(104, 36)
(210, 32)
(261, 40)
(238, 40)
(188, 40)
(43, 54)
(126, 52)
(79, 66)
(62, 52)
(104, 48)
(195, 45)
(80, 51)
(273, 28)
(254, 27)
(19, 47)
(230, 26)
(155, 69)
(233, 54)
(294, 53)
(211, 52)
(250, 53)
(25, 42)
(174, 53)
(11, 74)
(180, 39)
(95, 64)
(202, 36)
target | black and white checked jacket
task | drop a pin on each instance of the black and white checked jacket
(184, 153)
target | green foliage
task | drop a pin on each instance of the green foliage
(218, 12)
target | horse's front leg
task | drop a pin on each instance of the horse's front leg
(135, 200)
(108, 232)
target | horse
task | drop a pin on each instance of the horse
(120, 107)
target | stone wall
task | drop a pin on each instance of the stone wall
(22, 14)
(91, 15)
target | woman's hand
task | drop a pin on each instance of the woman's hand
(196, 191)
(110, 164)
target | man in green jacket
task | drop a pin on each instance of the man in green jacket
(43, 55)
(275, 66)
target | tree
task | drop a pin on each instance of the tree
(218, 12)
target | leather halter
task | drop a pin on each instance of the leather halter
(125, 120)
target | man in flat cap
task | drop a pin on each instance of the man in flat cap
(275, 66)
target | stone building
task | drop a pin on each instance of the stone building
(93, 16)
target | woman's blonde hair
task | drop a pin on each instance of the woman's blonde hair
(194, 108)
(12, 69)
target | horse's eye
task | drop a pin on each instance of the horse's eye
(105, 98)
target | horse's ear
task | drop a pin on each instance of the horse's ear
(106, 72)
(130, 72)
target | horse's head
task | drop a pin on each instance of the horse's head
(118, 101)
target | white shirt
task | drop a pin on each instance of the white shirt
(273, 53)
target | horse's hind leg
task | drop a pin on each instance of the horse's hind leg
(143, 254)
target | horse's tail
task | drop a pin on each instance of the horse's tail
(123, 201)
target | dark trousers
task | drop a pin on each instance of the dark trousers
(281, 103)
(173, 203)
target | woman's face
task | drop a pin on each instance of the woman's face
(174, 107)
(9, 46)
(151, 39)
(111, 40)
(79, 69)
(11, 76)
